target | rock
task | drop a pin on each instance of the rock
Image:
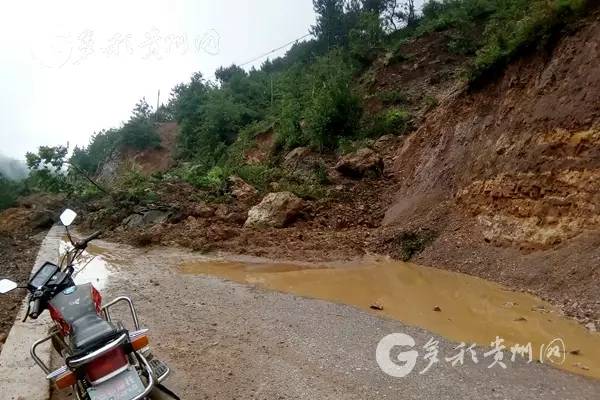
(377, 306)
(364, 162)
(294, 157)
(242, 190)
(383, 142)
(154, 217)
(301, 160)
(203, 211)
(134, 221)
(581, 366)
(591, 327)
(2, 338)
(437, 309)
(150, 217)
(275, 210)
(221, 212)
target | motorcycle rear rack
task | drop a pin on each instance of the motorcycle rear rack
(55, 332)
(156, 370)
(122, 299)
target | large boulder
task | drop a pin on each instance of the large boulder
(275, 210)
(146, 218)
(361, 163)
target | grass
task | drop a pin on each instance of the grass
(411, 243)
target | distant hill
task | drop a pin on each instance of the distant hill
(11, 168)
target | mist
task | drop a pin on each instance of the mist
(12, 169)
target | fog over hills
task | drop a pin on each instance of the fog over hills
(11, 168)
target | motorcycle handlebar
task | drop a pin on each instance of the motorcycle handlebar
(34, 308)
(82, 244)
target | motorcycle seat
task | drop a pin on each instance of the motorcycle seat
(90, 331)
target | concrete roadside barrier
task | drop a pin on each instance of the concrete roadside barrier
(20, 376)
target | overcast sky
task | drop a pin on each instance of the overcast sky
(70, 68)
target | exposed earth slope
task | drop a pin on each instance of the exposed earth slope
(498, 181)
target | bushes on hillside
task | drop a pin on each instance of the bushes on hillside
(391, 121)
(46, 169)
(9, 191)
(321, 105)
(139, 133)
(493, 31)
(308, 97)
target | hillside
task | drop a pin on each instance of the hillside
(508, 175)
(467, 140)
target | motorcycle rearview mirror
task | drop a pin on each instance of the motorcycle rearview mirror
(6, 285)
(67, 217)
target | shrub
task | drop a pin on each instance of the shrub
(9, 192)
(410, 243)
(534, 28)
(215, 180)
(391, 97)
(137, 188)
(495, 32)
(347, 145)
(334, 109)
(259, 175)
(139, 134)
(366, 38)
(391, 121)
(46, 170)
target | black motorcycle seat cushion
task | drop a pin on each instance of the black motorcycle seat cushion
(90, 330)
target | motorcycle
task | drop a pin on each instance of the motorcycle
(102, 359)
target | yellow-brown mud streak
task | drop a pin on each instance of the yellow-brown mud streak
(472, 310)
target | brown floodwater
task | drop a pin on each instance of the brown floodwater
(457, 306)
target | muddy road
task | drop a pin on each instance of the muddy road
(226, 340)
(230, 340)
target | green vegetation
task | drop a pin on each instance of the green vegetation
(393, 120)
(496, 31)
(139, 133)
(412, 243)
(9, 191)
(392, 97)
(46, 169)
(309, 97)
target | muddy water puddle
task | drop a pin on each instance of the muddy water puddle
(457, 306)
(91, 266)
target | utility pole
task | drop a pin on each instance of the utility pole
(271, 75)
(157, 104)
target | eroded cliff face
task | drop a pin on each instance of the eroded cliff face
(546, 206)
(508, 177)
(520, 156)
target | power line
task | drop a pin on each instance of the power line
(274, 50)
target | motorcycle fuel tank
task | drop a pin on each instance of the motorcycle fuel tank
(73, 303)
